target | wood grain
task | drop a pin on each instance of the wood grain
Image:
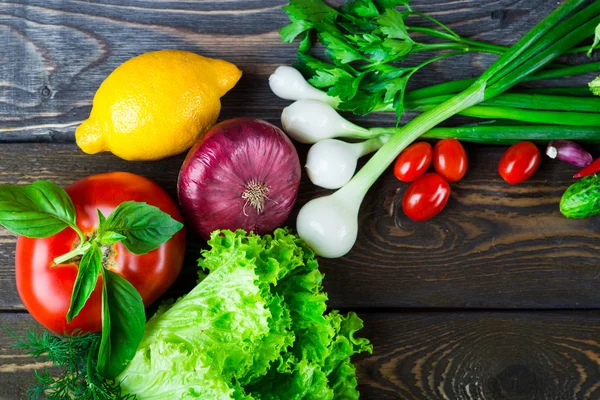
(58, 52)
(495, 245)
(482, 356)
(438, 356)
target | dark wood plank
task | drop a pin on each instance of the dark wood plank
(58, 52)
(477, 356)
(439, 356)
(495, 245)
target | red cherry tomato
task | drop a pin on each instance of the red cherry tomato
(426, 197)
(519, 162)
(450, 159)
(413, 161)
(46, 289)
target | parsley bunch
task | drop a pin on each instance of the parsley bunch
(364, 40)
(368, 44)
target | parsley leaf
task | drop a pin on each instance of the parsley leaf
(392, 25)
(392, 3)
(310, 11)
(290, 32)
(338, 49)
(363, 8)
(596, 41)
(595, 86)
(363, 103)
(330, 77)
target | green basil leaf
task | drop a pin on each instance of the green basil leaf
(123, 320)
(38, 210)
(111, 237)
(107, 237)
(87, 276)
(101, 218)
(145, 227)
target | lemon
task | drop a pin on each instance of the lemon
(156, 105)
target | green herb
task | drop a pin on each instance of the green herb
(365, 40)
(362, 40)
(123, 321)
(85, 282)
(596, 41)
(595, 86)
(141, 227)
(38, 210)
(43, 209)
(256, 327)
(76, 356)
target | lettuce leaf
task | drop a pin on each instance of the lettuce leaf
(255, 328)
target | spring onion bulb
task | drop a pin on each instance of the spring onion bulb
(289, 84)
(329, 224)
(331, 163)
(310, 121)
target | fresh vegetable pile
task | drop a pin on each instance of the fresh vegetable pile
(255, 328)
(367, 48)
(256, 325)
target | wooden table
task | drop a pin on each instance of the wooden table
(497, 298)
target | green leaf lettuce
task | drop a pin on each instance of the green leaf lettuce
(255, 328)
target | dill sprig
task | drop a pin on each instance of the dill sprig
(76, 356)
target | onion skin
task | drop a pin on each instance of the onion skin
(223, 163)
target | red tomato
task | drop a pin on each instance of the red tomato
(426, 197)
(450, 159)
(413, 161)
(46, 290)
(519, 162)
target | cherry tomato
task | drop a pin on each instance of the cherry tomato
(45, 289)
(450, 159)
(413, 161)
(519, 162)
(426, 197)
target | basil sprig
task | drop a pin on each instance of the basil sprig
(44, 209)
(142, 227)
(38, 210)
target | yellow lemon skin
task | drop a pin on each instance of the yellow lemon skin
(156, 105)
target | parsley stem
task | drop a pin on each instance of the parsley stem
(421, 47)
(486, 47)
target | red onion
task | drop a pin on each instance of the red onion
(243, 174)
(568, 151)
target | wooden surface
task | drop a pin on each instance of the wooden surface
(497, 298)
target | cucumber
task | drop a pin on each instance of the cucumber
(582, 199)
